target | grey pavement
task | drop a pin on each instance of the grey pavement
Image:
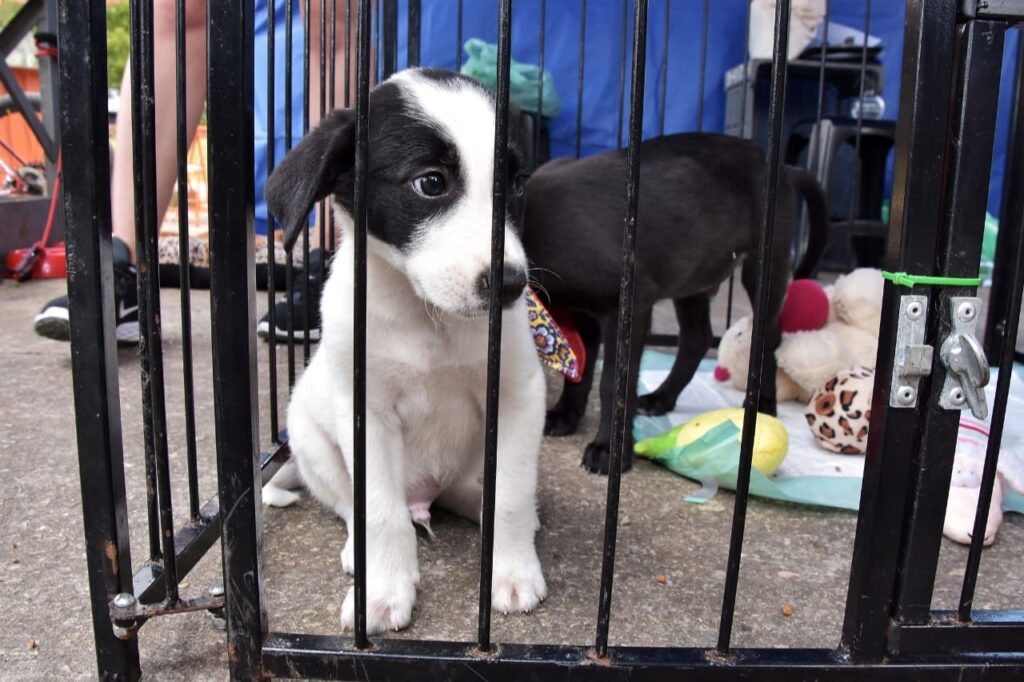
(669, 571)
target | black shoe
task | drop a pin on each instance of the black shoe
(305, 319)
(52, 321)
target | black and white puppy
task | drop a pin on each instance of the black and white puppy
(431, 154)
(699, 212)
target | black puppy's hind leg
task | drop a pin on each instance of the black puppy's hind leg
(695, 338)
(773, 334)
(564, 417)
(597, 454)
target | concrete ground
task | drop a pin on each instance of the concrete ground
(669, 571)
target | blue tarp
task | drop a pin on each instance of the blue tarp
(602, 63)
(260, 111)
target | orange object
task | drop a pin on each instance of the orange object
(15, 130)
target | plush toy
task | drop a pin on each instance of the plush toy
(838, 416)
(771, 440)
(808, 356)
(838, 413)
(805, 308)
(965, 484)
(856, 300)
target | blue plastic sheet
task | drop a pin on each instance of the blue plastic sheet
(602, 61)
(261, 99)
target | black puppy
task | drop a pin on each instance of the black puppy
(700, 208)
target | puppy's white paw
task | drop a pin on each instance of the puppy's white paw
(518, 585)
(276, 496)
(389, 605)
(348, 556)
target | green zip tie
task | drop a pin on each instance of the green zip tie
(902, 279)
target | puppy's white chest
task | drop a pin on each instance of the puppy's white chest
(441, 418)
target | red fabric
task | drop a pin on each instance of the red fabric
(567, 324)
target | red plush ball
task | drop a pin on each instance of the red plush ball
(805, 308)
(722, 374)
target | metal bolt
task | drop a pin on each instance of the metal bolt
(957, 397)
(218, 620)
(124, 601)
(122, 633)
(915, 310)
(216, 591)
(906, 395)
(966, 312)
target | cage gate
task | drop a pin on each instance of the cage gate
(953, 52)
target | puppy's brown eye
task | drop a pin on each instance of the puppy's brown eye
(430, 185)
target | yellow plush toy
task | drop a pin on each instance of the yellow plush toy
(771, 441)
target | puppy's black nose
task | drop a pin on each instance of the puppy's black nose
(512, 285)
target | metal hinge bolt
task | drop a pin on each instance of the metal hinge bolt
(217, 615)
(124, 628)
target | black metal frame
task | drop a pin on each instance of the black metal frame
(34, 14)
(951, 63)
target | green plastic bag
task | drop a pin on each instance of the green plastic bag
(482, 65)
(715, 456)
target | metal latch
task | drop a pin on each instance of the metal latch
(967, 371)
(913, 356)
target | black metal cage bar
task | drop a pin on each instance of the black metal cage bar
(1011, 213)
(979, 53)
(304, 313)
(952, 61)
(666, 28)
(84, 149)
(759, 340)
(359, 314)
(580, 75)
(233, 296)
(927, 76)
(143, 114)
(275, 427)
(624, 331)
(494, 319)
(1006, 322)
(541, 37)
(1001, 327)
(184, 274)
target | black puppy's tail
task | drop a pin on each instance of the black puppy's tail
(817, 218)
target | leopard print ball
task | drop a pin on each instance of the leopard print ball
(838, 412)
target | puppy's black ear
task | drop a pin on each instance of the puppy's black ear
(310, 172)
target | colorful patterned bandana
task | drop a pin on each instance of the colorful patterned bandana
(559, 350)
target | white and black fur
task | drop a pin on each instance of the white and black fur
(428, 291)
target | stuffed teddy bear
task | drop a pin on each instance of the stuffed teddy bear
(808, 356)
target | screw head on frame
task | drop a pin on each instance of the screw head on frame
(906, 395)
